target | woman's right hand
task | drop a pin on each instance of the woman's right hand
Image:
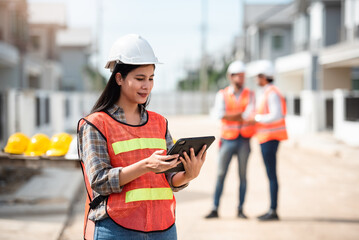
(160, 163)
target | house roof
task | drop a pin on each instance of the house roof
(269, 14)
(74, 37)
(47, 14)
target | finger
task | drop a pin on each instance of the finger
(184, 162)
(186, 157)
(168, 157)
(200, 154)
(159, 152)
(204, 156)
(172, 163)
(192, 153)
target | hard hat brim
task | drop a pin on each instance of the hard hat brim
(108, 64)
(55, 153)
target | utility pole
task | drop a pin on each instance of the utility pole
(203, 76)
(98, 42)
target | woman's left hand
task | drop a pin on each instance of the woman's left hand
(192, 163)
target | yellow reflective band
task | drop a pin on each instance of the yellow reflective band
(138, 143)
(144, 194)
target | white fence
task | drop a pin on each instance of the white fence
(336, 111)
(51, 112)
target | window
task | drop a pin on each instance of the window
(329, 113)
(277, 42)
(67, 107)
(352, 109)
(297, 106)
(38, 111)
(34, 81)
(35, 42)
(47, 110)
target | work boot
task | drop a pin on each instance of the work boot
(270, 215)
(212, 214)
(240, 214)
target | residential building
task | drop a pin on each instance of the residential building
(318, 72)
(45, 20)
(74, 52)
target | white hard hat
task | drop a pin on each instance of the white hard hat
(131, 49)
(236, 67)
(264, 67)
(72, 152)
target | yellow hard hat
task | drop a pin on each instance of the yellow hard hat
(59, 145)
(39, 143)
(17, 143)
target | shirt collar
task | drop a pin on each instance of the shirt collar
(119, 114)
(231, 89)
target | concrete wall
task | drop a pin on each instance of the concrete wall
(333, 78)
(346, 131)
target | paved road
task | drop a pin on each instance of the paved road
(318, 199)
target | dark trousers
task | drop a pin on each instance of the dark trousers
(269, 153)
(240, 147)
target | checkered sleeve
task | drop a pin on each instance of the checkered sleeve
(104, 179)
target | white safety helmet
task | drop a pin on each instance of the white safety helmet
(264, 67)
(72, 152)
(236, 67)
(131, 49)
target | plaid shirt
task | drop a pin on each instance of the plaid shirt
(104, 179)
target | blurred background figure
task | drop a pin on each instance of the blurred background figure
(270, 129)
(233, 106)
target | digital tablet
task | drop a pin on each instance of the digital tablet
(184, 145)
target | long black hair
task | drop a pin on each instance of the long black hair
(112, 91)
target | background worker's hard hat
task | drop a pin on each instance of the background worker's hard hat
(17, 143)
(265, 67)
(131, 49)
(59, 144)
(39, 143)
(236, 67)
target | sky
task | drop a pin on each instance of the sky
(173, 29)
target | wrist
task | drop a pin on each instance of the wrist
(179, 179)
(145, 165)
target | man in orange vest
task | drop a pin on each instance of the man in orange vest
(270, 128)
(232, 105)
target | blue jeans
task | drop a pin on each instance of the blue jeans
(269, 153)
(107, 229)
(240, 147)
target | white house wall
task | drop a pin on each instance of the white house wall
(27, 112)
(345, 131)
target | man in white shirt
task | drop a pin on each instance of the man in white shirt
(233, 105)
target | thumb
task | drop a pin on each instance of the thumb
(159, 152)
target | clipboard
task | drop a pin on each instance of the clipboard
(184, 145)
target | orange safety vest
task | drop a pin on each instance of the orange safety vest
(274, 130)
(147, 203)
(232, 129)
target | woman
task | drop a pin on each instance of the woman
(123, 150)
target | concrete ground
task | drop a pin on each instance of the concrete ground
(318, 197)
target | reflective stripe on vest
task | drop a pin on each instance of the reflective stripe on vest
(143, 194)
(232, 129)
(275, 130)
(138, 143)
